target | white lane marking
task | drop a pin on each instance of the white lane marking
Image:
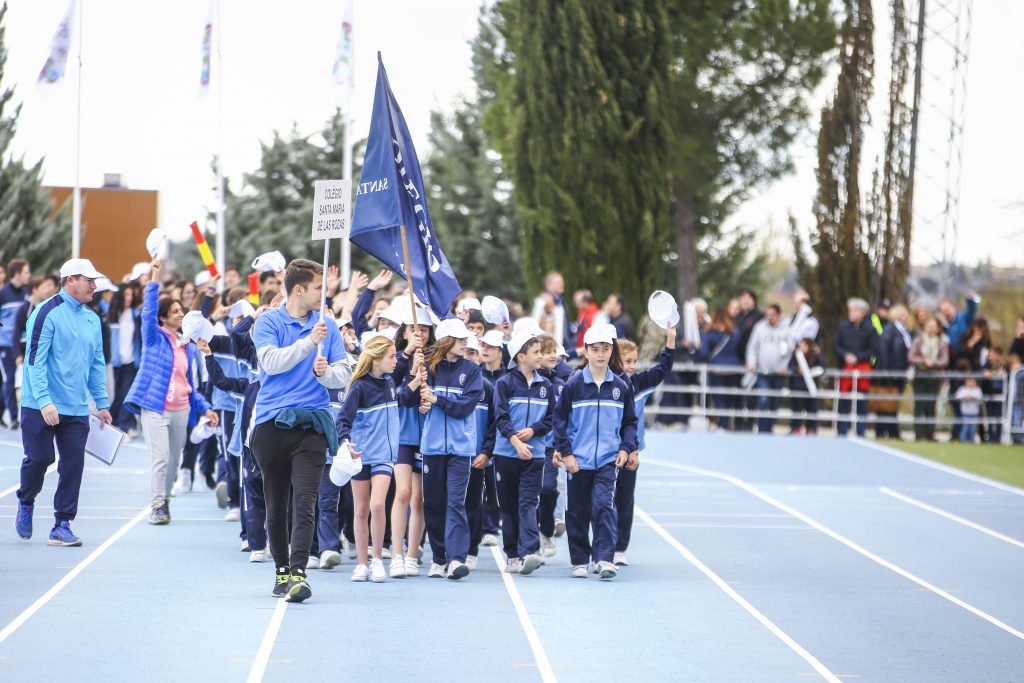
(938, 466)
(11, 489)
(17, 622)
(844, 540)
(259, 665)
(950, 516)
(547, 674)
(737, 526)
(739, 599)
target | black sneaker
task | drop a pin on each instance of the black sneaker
(281, 579)
(298, 589)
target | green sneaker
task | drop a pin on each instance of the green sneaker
(298, 589)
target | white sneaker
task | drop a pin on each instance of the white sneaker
(386, 554)
(184, 483)
(350, 549)
(514, 565)
(397, 567)
(608, 570)
(377, 571)
(412, 566)
(457, 570)
(530, 564)
(595, 568)
(471, 562)
(559, 528)
(579, 571)
(245, 546)
(221, 491)
(258, 556)
(489, 540)
(361, 573)
(620, 560)
(232, 516)
(329, 559)
(548, 547)
(436, 571)
(313, 562)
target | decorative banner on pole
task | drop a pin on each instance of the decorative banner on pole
(254, 289)
(57, 61)
(204, 250)
(331, 199)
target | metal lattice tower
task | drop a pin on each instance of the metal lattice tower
(943, 34)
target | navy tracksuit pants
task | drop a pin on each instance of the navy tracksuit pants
(548, 496)
(625, 497)
(591, 505)
(37, 438)
(445, 483)
(519, 483)
(255, 507)
(475, 510)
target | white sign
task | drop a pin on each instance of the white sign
(331, 209)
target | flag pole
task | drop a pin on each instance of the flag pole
(346, 245)
(408, 272)
(76, 195)
(221, 230)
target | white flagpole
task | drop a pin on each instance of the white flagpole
(76, 196)
(221, 230)
(346, 246)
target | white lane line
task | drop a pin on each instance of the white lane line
(19, 620)
(938, 466)
(739, 599)
(950, 516)
(259, 665)
(11, 489)
(547, 674)
(842, 539)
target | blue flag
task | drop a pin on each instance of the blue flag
(391, 193)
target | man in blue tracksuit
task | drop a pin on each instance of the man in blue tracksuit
(63, 368)
(12, 296)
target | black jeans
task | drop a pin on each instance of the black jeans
(290, 458)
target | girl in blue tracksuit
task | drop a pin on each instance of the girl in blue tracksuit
(595, 431)
(549, 361)
(523, 407)
(643, 385)
(448, 446)
(484, 416)
(407, 509)
(369, 423)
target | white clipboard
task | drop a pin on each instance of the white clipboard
(104, 443)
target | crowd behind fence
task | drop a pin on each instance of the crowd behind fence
(731, 397)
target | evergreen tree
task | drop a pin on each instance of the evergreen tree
(471, 205)
(590, 140)
(29, 228)
(842, 268)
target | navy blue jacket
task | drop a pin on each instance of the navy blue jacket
(11, 299)
(484, 415)
(594, 423)
(369, 417)
(450, 427)
(643, 384)
(518, 405)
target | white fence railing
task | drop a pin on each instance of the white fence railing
(845, 400)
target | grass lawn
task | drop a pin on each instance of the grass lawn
(1005, 463)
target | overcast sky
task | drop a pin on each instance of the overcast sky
(142, 115)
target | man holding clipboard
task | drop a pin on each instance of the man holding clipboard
(63, 368)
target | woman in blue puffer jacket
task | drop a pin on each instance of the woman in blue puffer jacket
(163, 393)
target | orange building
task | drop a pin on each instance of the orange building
(115, 224)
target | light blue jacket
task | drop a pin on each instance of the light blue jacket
(64, 362)
(450, 428)
(594, 423)
(518, 406)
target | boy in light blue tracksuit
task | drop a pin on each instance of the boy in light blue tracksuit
(642, 385)
(523, 406)
(449, 444)
(595, 431)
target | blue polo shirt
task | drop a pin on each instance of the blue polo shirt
(298, 387)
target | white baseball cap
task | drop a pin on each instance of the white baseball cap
(103, 284)
(139, 269)
(394, 314)
(272, 260)
(472, 342)
(527, 325)
(468, 304)
(80, 266)
(599, 333)
(453, 327)
(493, 338)
(203, 430)
(240, 309)
(516, 344)
(494, 310)
(201, 278)
(195, 327)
